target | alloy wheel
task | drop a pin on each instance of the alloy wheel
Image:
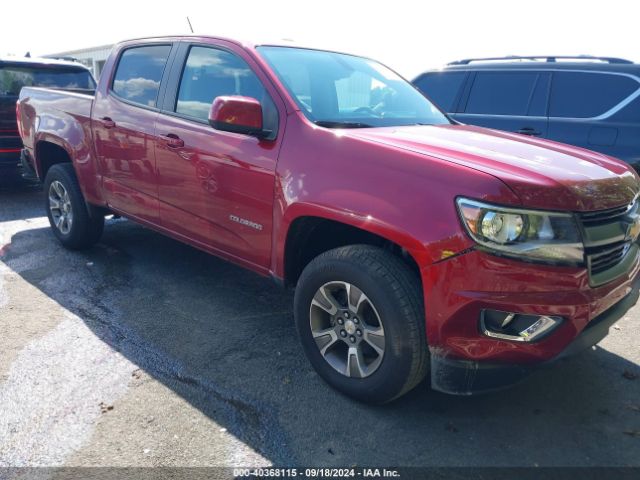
(347, 329)
(60, 207)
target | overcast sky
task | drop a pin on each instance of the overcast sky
(409, 36)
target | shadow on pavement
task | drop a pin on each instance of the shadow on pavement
(224, 339)
(19, 199)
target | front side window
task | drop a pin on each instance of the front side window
(502, 93)
(586, 95)
(139, 73)
(13, 78)
(210, 73)
(339, 90)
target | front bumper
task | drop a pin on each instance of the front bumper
(464, 377)
(464, 361)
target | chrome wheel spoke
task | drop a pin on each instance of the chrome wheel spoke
(325, 301)
(54, 204)
(374, 336)
(355, 363)
(355, 297)
(325, 339)
(59, 189)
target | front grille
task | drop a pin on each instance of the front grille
(604, 260)
(603, 216)
(609, 241)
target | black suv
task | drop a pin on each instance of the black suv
(16, 73)
(591, 102)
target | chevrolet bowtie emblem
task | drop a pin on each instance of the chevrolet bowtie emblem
(633, 229)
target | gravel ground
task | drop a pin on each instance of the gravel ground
(145, 352)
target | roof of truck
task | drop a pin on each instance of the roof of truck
(243, 42)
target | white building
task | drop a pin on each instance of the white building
(93, 57)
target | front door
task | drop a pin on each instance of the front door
(215, 187)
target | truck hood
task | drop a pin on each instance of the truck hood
(542, 173)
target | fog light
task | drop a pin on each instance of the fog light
(516, 327)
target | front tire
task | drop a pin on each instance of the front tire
(67, 210)
(360, 316)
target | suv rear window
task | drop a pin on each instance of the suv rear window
(587, 95)
(14, 77)
(502, 93)
(441, 87)
(139, 73)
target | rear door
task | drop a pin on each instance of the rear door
(215, 187)
(515, 101)
(123, 121)
(593, 110)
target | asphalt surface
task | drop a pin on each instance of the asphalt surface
(144, 352)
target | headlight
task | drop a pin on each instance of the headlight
(551, 237)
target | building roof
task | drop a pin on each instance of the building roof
(40, 61)
(71, 53)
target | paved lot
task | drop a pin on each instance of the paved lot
(143, 351)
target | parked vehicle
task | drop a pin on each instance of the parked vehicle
(16, 73)
(591, 102)
(415, 245)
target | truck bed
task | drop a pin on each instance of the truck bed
(61, 114)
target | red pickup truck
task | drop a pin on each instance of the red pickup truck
(416, 245)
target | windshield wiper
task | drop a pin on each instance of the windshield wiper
(338, 124)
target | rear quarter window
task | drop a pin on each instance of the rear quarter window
(587, 95)
(139, 72)
(441, 87)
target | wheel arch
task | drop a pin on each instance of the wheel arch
(50, 150)
(314, 230)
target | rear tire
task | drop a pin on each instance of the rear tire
(360, 316)
(67, 210)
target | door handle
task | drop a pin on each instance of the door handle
(529, 131)
(107, 122)
(173, 141)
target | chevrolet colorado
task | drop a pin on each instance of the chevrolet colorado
(417, 246)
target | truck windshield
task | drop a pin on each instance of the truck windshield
(344, 91)
(13, 78)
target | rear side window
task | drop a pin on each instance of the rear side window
(441, 87)
(586, 95)
(13, 78)
(139, 73)
(502, 93)
(210, 73)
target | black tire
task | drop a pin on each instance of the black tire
(85, 229)
(395, 292)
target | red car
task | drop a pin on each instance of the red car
(417, 246)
